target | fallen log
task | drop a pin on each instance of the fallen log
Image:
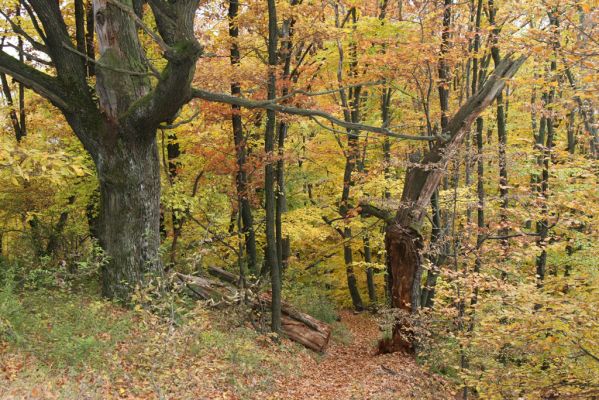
(209, 290)
(300, 327)
(224, 275)
(296, 325)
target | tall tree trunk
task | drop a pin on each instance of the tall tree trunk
(17, 115)
(241, 179)
(501, 136)
(269, 174)
(480, 208)
(89, 37)
(436, 257)
(351, 113)
(546, 154)
(173, 152)
(571, 131)
(129, 219)
(443, 89)
(285, 60)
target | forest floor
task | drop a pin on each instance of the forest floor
(354, 371)
(75, 347)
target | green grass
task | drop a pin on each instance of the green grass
(60, 329)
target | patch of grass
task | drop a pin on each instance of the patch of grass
(311, 300)
(341, 334)
(60, 329)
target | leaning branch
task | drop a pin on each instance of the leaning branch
(20, 31)
(270, 105)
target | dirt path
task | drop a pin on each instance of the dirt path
(353, 371)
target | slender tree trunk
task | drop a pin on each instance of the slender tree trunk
(480, 210)
(435, 258)
(173, 152)
(241, 179)
(546, 154)
(501, 137)
(443, 89)
(369, 270)
(571, 131)
(351, 113)
(17, 115)
(366, 243)
(269, 174)
(89, 37)
(286, 48)
(503, 172)
(352, 285)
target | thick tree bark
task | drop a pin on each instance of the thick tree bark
(129, 220)
(117, 124)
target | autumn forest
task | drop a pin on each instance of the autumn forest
(299, 199)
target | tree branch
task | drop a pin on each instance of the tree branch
(43, 84)
(367, 210)
(34, 21)
(19, 31)
(269, 105)
(131, 13)
(102, 65)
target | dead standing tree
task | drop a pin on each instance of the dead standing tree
(403, 239)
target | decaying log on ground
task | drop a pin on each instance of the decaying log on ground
(300, 327)
(209, 290)
(224, 275)
(297, 326)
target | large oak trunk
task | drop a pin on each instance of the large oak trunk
(129, 175)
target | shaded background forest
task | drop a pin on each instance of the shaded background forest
(510, 279)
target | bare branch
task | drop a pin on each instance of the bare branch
(183, 122)
(102, 65)
(19, 31)
(34, 21)
(269, 105)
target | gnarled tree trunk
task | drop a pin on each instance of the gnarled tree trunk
(403, 239)
(117, 123)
